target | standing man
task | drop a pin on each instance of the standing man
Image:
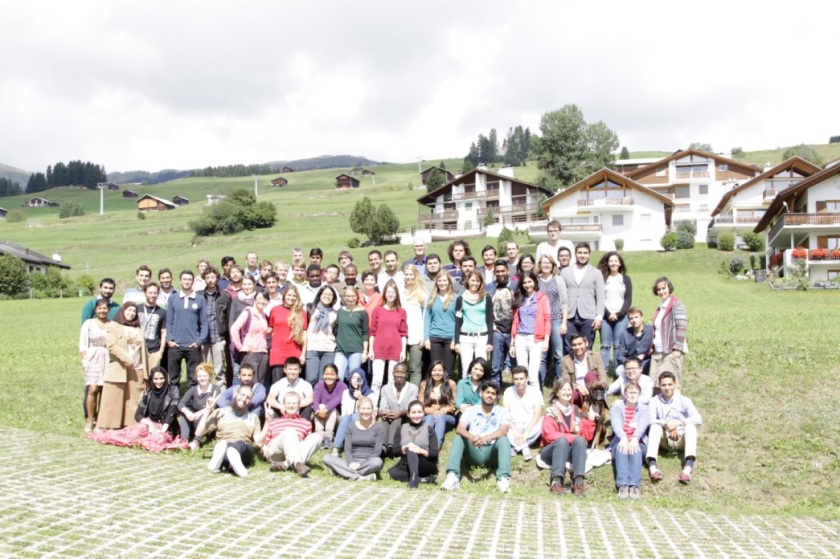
(391, 272)
(252, 269)
(281, 271)
(351, 275)
(107, 287)
(549, 248)
(213, 348)
(299, 275)
(266, 267)
(136, 295)
(502, 320)
(153, 322)
(585, 287)
(636, 341)
(375, 261)
(165, 287)
(432, 271)
(227, 263)
(313, 278)
(512, 251)
(564, 258)
(482, 434)
(419, 259)
(488, 271)
(672, 415)
(187, 328)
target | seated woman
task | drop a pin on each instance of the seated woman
(438, 395)
(630, 421)
(159, 404)
(417, 443)
(564, 435)
(467, 387)
(362, 447)
(326, 400)
(357, 389)
(193, 405)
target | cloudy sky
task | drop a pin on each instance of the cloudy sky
(182, 84)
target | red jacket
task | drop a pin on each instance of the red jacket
(542, 324)
(553, 429)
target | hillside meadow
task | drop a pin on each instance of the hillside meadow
(762, 367)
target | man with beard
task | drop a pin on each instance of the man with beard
(165, 289)
(153, 323)
(213, 349)
(502, 320)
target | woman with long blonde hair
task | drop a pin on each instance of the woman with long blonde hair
(414, 302)
(287, 325)
(439, 322)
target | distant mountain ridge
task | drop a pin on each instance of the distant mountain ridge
(325, 162)
(15, 174)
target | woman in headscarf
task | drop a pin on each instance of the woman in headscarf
(159, 404)
(125, 373)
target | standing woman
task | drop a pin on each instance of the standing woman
(439, 323)
(554, 287)
(526, 264)
(241, 300)
(670, 322)
(362, 447)
(248, 334)
(287, 328)
(618, 298)
(438, 394)
(320, 335)
(414, 304)
(159, 405)
(473, 322)
(531, 327)
(369, 297)
(388, 334)
(352, 325)
(417, 443)
(94, 350)
(125, 374)
(565, 432)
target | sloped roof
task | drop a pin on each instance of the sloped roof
(797, 163)
(795, 190)
(682, 153)
(600, 176)
(29, 255)
(161, 200)
(430, 197)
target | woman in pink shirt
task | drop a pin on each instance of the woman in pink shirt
(248, 333)
(388, 335)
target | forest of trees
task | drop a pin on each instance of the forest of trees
(514, 150)
(74, 173)
(8, 187)
(239, 170)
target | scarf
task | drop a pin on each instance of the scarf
(247, 299)
(156, 404)
(322, 318)
(567, 422)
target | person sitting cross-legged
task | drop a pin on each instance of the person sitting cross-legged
(629, 419)
(289, 440)
(482, 434)
(672, 415)
(362, 447)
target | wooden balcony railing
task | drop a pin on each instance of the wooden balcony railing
(803, 220)
(583, 228)
(476, 194)
(626, 201)
(449, 214)
(693, 175)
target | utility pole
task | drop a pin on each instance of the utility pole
(102, 186)
(256, 185)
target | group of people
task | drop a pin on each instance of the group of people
(295, 357)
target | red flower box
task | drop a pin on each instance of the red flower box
(835, 254)
(800, 253)
(777, 259)
(819, 253)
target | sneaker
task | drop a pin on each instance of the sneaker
(541, 463)
(526, 453)
(512, 453)
(368, 477)
(503, 485)
(685, 475)
(451, 482)
(623, 492)
(578, 490)
(278, 466)
(635, 493)
(655, 474)
(558, 489)
(335, 451)
(194, 445)
(302, 469)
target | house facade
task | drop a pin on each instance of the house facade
(479, 203)
(695, 181)
(607, 206)
(447, 176)
(279, 181)
(34, 261)
(806, 216)
(149, 203)
(346, 181)
(741, 208)
(39, 202)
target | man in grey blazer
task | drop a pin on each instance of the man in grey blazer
(585, 288)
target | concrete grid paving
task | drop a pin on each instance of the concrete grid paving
(64, 497)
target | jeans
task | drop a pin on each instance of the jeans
(530, 438)
(440, 350)
(558, 453)
(440, 424)
(497, 454)
(610, 333)
(415, 364)
(528, 353)
(556, 348)
(579, 325)
(346, 362)
(340, 433)
(501, 355)
(315, 361)
(471, 347)
(628, 467)
(341, 467)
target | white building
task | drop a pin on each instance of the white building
(696, 181)
(606, 206)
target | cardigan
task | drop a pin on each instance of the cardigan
(542, 324)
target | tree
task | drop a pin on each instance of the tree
(375, 223)
(805, 152)
(70, 209)
(737, 153)
(468, 166)
(625, 153)
(442, 165)
(237, 212)
(601, 143)
(37, 183)
(13, 276)
(474, 156)
(435, 180)
(700, 146)
(8, 187)
(834, 140)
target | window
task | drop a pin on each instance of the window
(618, 221)
(723, 167)
(682, 192)
(833, 274)
(468, 206)
(832, 206)
(704, 189)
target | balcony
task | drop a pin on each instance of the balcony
(449, 215)
(682, 208)
(476, 194)
(804, 221)
(729, 220)
(692, 174)
(605, 202)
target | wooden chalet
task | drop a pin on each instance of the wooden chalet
(367, 173)
(279, 181)
(129, 194)
(287, 169)
(35, 261)
(39, 202)
(149, 203)
(3, 212)
(424, 174)
(180, 200)
(113, 187)
(346, 181)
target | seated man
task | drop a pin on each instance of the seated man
(236, 430)
(673, 415)
(393, 404)
(525, 404)
(291, 382)
(482, 433)
(246, 377)
(583, 367)
(289, 440)
(632, 372)
(636, 341)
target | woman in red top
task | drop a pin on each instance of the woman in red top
(287, 327)
(564, 436)
(388, 335)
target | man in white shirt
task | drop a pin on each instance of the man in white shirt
(291, 382)
(672, 415)
(525, 404)
(391, 271)
(549, 248)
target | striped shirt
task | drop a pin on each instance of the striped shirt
(295, 422)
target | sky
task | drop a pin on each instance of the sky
(155, 85)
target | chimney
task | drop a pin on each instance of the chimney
(57, 256)
(506, 171)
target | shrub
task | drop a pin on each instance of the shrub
(86, 283)
(237, 212)
(377, 223)
(49, 285)
(15, 216)
(619, 244)
(13, 276)
(505, 236)
(752, 262)
(736, 264)
(354, 242)
(711, 243)
(669, 241)
(688, 226)
(726, 242)
(754, 241)
(70, 209)
(685, 240)
(141, 215)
